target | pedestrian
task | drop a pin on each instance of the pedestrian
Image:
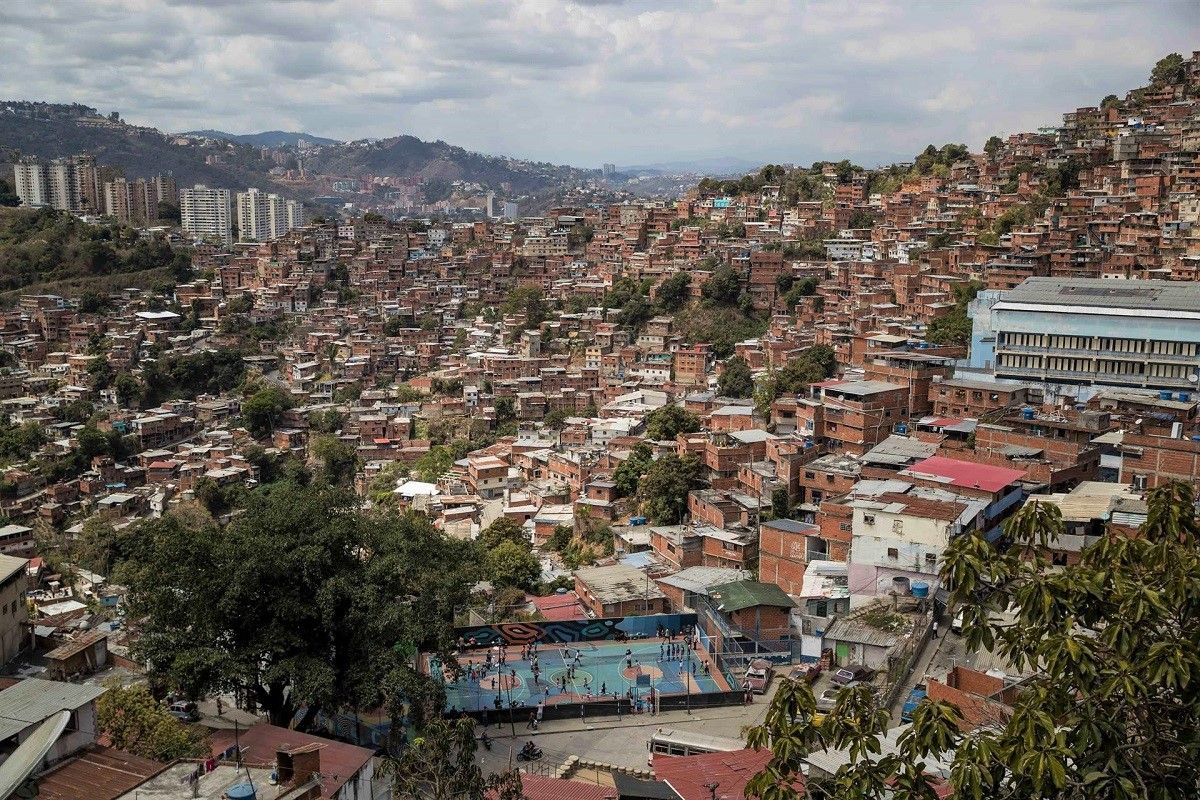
(693, 668)
(532, 720)
(661, 650)
(935, 629)
(603, 688)
(540, 707)
(220, 707)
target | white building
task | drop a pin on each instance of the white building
(253, 216)
(31, 182)
(205, 213)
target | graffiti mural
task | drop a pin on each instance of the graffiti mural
(610, 629)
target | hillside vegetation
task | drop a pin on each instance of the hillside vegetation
(41, 245)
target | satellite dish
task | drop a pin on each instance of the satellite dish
(1194, 377)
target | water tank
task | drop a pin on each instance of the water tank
(1185, 396)
(1164, 395)
(901, 427)
(1027, 413)
(243, 791)
(900, 585)
(920, 589)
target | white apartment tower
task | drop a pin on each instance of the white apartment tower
(253, 216)
(266, 217)
(31, 182)
(205, 213)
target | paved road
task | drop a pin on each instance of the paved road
(607, 740)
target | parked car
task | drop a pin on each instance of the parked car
(957, 622)
(852, 673)
(805, 672)
(914, 697)
(184, 711)
(827, 699)
(759, 675)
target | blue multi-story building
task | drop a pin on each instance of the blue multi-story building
(1099, 332)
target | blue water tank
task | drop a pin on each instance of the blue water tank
(1185, 396)
(1196, 438)
(1164, 395)
(1027, 413)
(243, 791)
(901, 427)
(920, 589)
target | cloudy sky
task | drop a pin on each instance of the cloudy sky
(589, 81)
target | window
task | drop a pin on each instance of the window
(809, 475)
(893, 553)
(1139, 481)
(897, 526)
(869, 519)
(846, 526)
(930, 560)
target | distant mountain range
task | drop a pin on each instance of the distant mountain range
(235, 161)
(265, 138)
(719, 166)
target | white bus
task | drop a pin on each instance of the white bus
(670, 742)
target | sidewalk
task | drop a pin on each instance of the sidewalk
(920, 667)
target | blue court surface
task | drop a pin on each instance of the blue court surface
(601, 672)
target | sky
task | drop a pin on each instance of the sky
(585, 82)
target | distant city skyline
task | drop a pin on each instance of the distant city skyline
(594, 81)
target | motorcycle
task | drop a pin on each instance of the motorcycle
(530, 752)
(486, 741)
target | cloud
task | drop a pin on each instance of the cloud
(591, 81)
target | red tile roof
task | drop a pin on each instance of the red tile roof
(690, 776)
(966, 474)
(340, 762)
(540, 787)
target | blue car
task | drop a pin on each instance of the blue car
(910, 705)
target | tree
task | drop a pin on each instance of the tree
(1111, 709)
(135, 722)
(1110, 101)
(8, 196)
(669, 421)
(556, 419)
(1171, 68)
(92, 302)
(130, 390)
(503, 529)
(630, 471)
(434, 464)
(780, 503)
(955, 328)
(664, 488)
(736, 379)
(815, 364)
(512, 564)
(506, 409)
(674, 291)
(439, 764)
(339, 460)
(723, 287)
(302, 601)
(799, 289)
(993, 145)
(264, 409)
(168, 211)
(527, 300)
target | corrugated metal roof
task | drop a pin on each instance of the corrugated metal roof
(1107, 293)
(34, 699)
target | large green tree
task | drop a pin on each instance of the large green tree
(439, 764)
(135, 722)
(302, 600)
(670, 421)
(1111, 709)
(736, 379)
(263, 410)
(630, 471)
(664, 488)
